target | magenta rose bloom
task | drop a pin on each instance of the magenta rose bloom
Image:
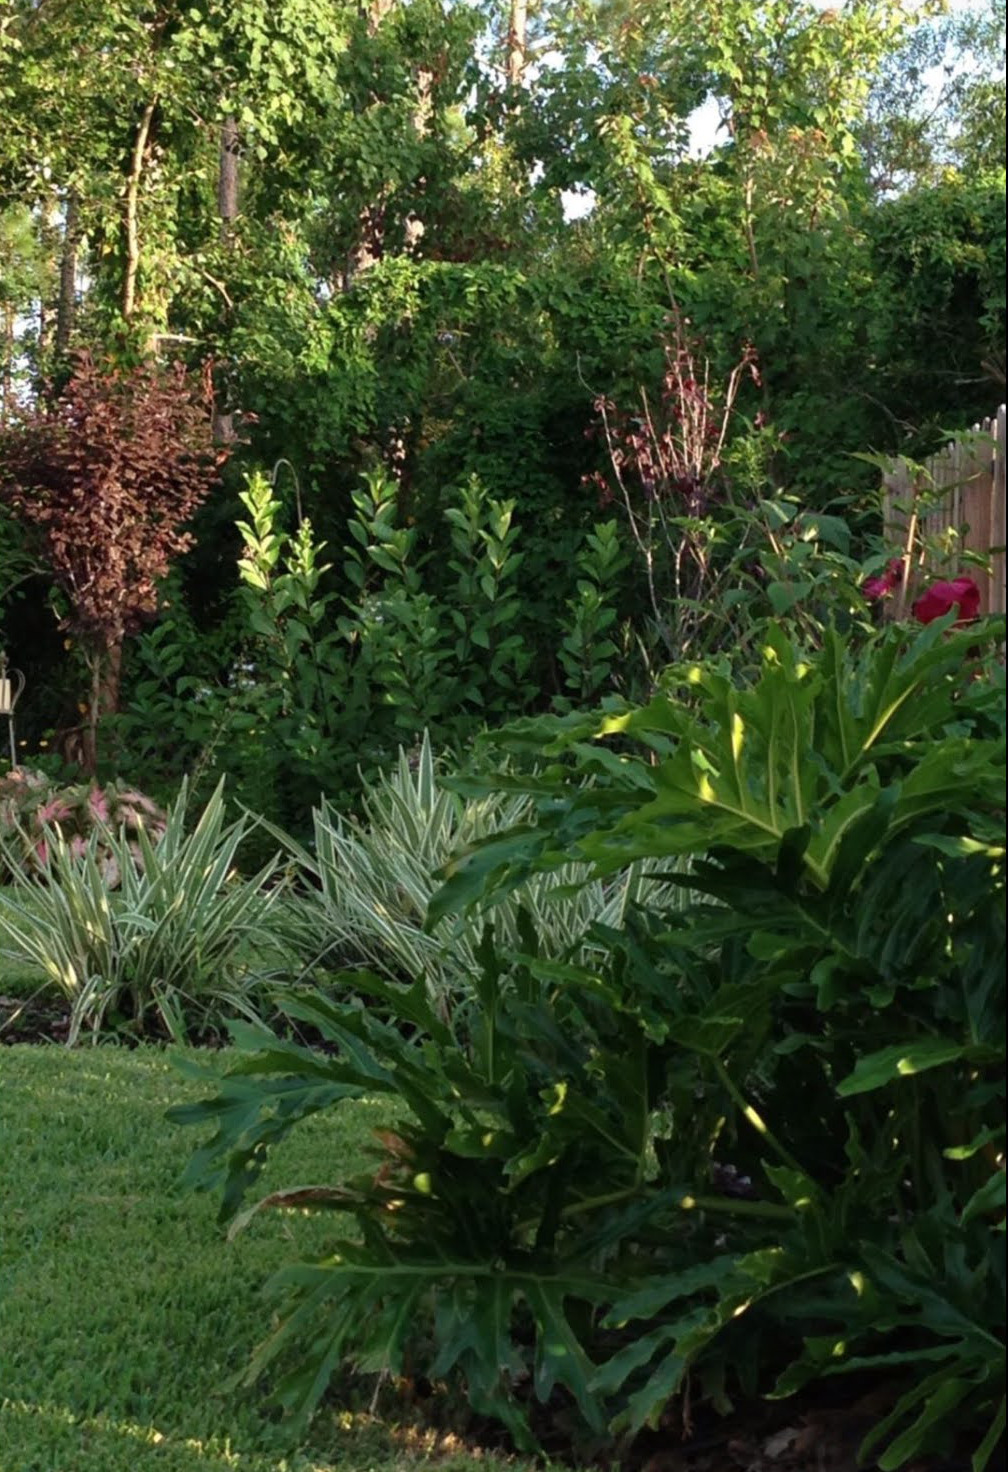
(942, 598)
(886, 583)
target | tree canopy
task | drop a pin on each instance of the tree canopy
(424, 238)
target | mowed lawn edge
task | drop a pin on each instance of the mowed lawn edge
(123, 1309)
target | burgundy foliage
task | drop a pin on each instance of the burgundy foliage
(109, 475)
(670, 451)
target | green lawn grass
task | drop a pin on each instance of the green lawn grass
(122, 1308)
(18, 977)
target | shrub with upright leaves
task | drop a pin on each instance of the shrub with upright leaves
(173, 951)
(751, 1141)
(841, 992)
(369, 882)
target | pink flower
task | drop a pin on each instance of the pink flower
(78, 846)
(42, 852)
(942, 598)
(888, 582)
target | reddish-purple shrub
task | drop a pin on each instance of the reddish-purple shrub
(108, 475)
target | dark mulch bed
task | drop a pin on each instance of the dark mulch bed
(818, 1430)
(40, 1018)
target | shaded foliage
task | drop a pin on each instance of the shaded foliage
(756, 1141)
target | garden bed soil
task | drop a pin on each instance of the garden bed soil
(818, 1430)
(43, 1017)
(38, 1018)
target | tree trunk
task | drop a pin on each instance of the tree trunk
(105, 668)
(132, 201)
(8, 362)
(111, 678)
(370, 245)
(227, 211)
(517, 40)
(414, 230)
(47, 314)
(227, 180)
(67, 305)
(89, 735)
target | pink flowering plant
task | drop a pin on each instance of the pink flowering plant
(937, 598)
(33, 808)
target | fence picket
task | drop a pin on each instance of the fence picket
(960, 489)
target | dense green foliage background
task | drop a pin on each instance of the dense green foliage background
(424, 242)
(409, 401)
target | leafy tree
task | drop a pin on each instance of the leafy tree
(22, 277)
(938, 101)
(358, 212)
(109, 476)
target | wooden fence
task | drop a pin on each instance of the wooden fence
(952, 505)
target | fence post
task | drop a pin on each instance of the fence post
(965, 481)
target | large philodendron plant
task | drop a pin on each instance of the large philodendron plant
(753, 1140)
